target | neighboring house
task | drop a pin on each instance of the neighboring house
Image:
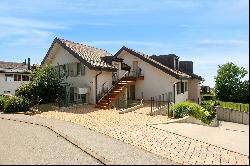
(95, 76)
(13, 75)
(205, 89)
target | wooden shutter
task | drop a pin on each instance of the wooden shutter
(182, 87)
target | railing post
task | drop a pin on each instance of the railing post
(168, 108)
(151, 104)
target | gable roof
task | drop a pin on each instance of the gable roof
(90, 56)
(175, 73)
(13, 67)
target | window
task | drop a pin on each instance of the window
(25, 77)
(9, 78)
(17, 77)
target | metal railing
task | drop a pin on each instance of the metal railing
(104, 94)
(159, 104)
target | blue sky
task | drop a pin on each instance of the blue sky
(208, 32)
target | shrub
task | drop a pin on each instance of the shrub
(206, 114)
(1, 103)
(16, 104)
(46, 83)
(207, 97)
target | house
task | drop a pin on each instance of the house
(95, 76)
(205, 89)
(13, 75)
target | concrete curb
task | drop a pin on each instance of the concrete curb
(74, 142)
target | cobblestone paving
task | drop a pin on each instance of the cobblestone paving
(133, 128)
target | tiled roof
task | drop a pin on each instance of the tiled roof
(175, 73)
(90, 56)
(13, 67)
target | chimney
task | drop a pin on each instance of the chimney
(28, 63)
(186, 66)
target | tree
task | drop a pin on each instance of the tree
(229, 85)
(46, 83)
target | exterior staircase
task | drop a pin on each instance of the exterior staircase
(115, 91)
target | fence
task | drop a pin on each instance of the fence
(159, 106)
(231, 115)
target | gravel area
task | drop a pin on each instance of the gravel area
(22, 143)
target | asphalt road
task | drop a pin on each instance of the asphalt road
(22, 143)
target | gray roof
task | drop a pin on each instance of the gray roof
(175, 73)
(13, 67)
(92, 57)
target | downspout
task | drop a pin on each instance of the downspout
(96, 86)
(174, 91)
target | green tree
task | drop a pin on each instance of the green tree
(46, 83)
(229, 85)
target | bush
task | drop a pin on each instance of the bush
(206, 114)
(2, 99)
(207, 97)
(184, 108)
(16, 104)
(46, 83)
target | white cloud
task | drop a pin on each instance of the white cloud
(30, 23)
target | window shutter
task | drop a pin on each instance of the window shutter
(182, 87)
(82, 69)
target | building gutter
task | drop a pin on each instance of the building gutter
(96, 85)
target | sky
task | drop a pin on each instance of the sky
(207, 32)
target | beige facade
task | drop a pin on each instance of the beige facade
(87, 81)
(10, 82)
(155, 83)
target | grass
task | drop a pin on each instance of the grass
(231, 105)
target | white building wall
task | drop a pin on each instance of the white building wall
(62, 57)
(194, 90)
(155, 81)
(181, 97)
(9, 86)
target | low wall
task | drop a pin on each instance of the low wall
(122, 111)
(231, 115)
(192, 120)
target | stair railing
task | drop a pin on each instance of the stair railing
(113, 86)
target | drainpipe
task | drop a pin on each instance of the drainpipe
(96, 86)
(174, 90)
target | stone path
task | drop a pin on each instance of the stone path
(133, 128)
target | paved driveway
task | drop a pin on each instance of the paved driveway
(228, 135)
(23, 144)
(106, 149)
(133, 128)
